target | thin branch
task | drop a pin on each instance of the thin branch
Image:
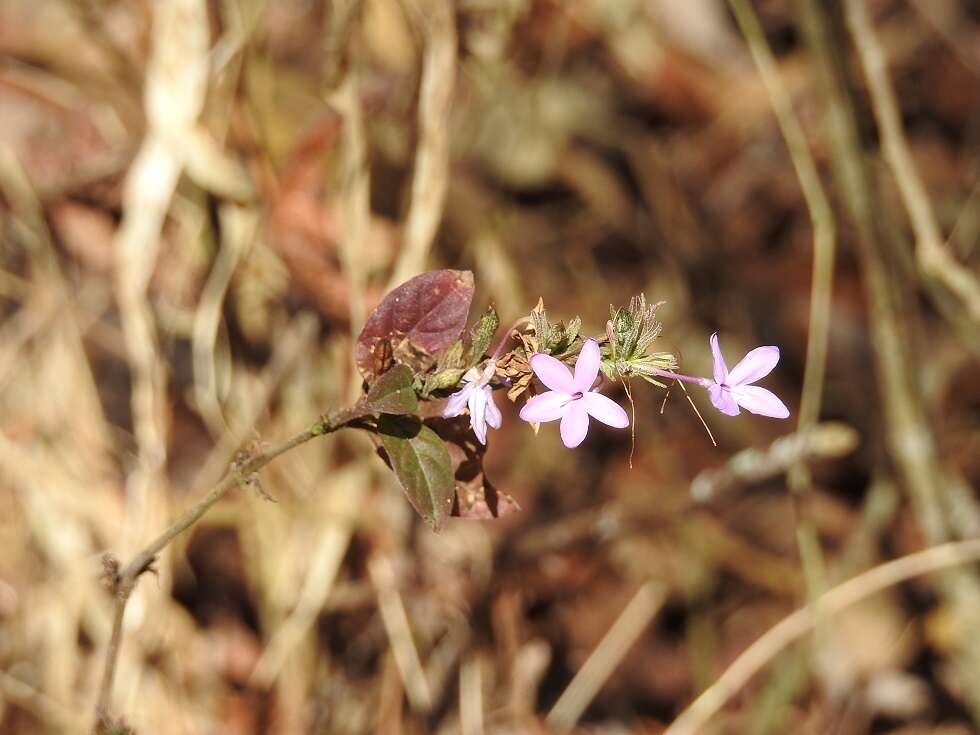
(125, 581)
(694, 719)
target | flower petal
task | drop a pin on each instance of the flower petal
(605, 410)
(759, 400)
(574, 425)
(758, 363)
(545, 407)
(478, 406)
(722, 399)
(553, 373)
(587, 367)
(457, 402)
(486, 376)
(494, 418)
(718, 360)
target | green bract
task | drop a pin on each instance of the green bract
(630, 332)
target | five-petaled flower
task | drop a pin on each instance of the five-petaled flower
(477, 396)
(731, 389)
(571, 397)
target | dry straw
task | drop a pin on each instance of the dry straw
(792, 628)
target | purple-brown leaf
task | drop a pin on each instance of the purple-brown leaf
(428, 312)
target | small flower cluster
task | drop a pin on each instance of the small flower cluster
(573, 396)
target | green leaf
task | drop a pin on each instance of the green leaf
(562, 340)
(421, 462)
(448, 378)
(631, 330)
(540, 324)
(483, 332)
(573, 329)
(392, 393)
(453, 356)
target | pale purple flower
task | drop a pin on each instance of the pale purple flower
(731, 389)
(477, 396)
(571, 397)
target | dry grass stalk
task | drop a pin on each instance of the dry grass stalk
(601, 663)
(430, 179)
(934, 257)
(399, 632)
(176, 86)
(54, 713)
(355, 193)
(695, 718)
(471, 697)
(239, 229)
(253, 398)
(334, 531)
(907, 431)
(823, 441)
(824, 251)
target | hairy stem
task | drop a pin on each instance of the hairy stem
(125, 581)
(703, 382)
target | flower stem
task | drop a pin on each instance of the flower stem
(703, 382)
(507, 336)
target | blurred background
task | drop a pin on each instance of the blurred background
(200, 202)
